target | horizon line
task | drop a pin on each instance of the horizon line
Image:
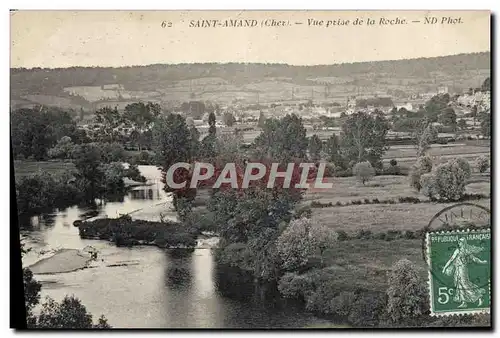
(244, 63)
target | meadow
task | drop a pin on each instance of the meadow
(26, 168)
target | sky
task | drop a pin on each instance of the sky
(53, 39)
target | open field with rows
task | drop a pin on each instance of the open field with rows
(381, 217)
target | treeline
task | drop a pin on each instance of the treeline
(35, 131)
(45, 81)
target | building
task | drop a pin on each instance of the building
(442, 90)
(407, 105)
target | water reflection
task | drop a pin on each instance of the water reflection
(149, 287)
(145, 194)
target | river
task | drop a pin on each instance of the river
(147, 287)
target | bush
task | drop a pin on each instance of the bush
(483, 163)
(363, 171)
(367, 310)
(425, 164)
(414, 177)
(112, 152)
(113, 176)
(69, 314)
(409, 199)
(44, 191)
(322, 238)
(235, 255)
(330, 170)
(450, 179)
(293, 285)
(392, 170)
(63, 149)
(364, 234)
(406, 292)
(341, 305)
(294, 245)
(145, 158)
(342, 235)
(428, 184)
(199, 220)
(134, 173)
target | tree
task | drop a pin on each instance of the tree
(424, 135)
(462, 124)
(63, 149)
(473, 112)
(228, 148)
(332, 150)
(90, 177)
(436, 105)
(35, 131)
(171, 140)
(141, 115)
(363, 171)
(315, 147)
(428, 185)
(31, 295)
(262, 120)
(284, 139)
(323, 238)
(406, 294)
(485, 120)
(294, 244)
(229, 119)
(448, 117)
(486, 86)
(450, 179)
(483, 163)
(422, 166)
(70, 313)
(173, 143)
(211, 124)
(363, 138)
(195, 141)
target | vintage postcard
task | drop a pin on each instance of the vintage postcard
(251, 169)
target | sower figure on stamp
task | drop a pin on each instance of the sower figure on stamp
(465, 290)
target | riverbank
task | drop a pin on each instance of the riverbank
(65, 260)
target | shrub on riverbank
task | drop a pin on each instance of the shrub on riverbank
(127, 232)
(321, 292)
(43, 190)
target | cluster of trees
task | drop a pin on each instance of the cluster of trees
(70, 313)
(437, 109)
(362, 138)
(35, 131)
(375, 102)
(137, 117)
(96, 175)
(445, 181)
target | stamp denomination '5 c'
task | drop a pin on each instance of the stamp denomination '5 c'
(459, 271)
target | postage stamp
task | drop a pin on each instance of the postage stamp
(459, 271)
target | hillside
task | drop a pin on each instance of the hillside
(88, 88)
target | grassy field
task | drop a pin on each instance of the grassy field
(381, 217)
(382, 187)
(25, 168)
(364, 263)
